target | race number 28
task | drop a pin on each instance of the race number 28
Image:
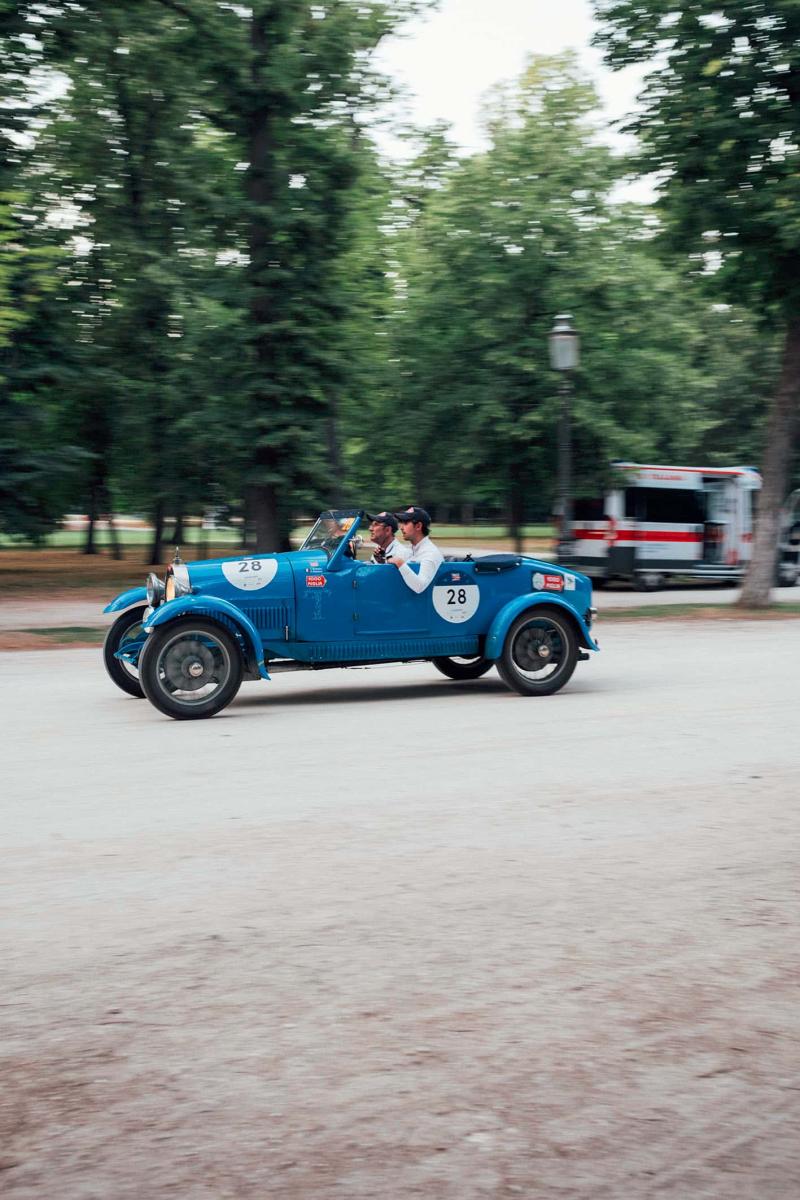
(456, 603)
(250, 574)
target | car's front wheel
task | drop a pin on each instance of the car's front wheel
(463, 668)
(190, 669)
(539, 653)
(125, 632)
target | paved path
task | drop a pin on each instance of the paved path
(376, 935)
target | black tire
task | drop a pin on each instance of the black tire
(463, 668)
(648, 581)
(127, 627)
(539, 636)
(186, 658)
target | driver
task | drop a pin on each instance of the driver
(415, 524)
(336, 529)
(382, 529)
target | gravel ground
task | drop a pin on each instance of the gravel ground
(381, 935)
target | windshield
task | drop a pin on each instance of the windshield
(330, 528)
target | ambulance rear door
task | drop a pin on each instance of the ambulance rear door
(729, 516)
(666, 509)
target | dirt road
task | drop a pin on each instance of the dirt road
(376, 934)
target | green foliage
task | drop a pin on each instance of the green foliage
(720, 120)
(211, 285)
(220, 137)
(36, 466)
(490, 254)
(721, 124)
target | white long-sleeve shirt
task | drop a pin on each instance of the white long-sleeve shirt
(429, 557)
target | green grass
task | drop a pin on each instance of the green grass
(64, 539)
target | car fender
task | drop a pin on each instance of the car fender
(215, 608)
(126, 599)
(504, 619)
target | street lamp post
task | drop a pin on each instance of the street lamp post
(564, 345)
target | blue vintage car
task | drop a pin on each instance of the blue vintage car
(187, 642)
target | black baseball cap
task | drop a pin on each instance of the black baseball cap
(412, 513)
(385, 518)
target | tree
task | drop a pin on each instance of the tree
(720, 123)
(232, 131)
(290, 82)
(489, 252)
(104, 151)
(37, 466)
(492, 252)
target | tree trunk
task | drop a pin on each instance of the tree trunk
(178, 532)
(247, 518)
(516, 511)
(266, 519)
(158, 534)
(335, 461)
(262, 137)
(116, 546)
(781, 432)
(89, 546)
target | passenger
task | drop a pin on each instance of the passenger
(382, 529)
(415, 524)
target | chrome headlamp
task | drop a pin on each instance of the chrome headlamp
(177, 583)
(155, 590)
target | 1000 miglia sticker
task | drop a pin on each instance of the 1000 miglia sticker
(456, 597)
(250, 574)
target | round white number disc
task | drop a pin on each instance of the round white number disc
(250, 574)
(456, 602)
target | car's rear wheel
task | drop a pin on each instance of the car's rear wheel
(126, 631)
(539, 653)
(191, 669)
(463, 668)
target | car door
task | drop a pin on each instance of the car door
(385, 607)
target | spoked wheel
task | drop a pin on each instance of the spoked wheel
(540, 653)
(463, 668)
(125, 632)
(191, 670)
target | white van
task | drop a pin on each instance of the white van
(662, 521)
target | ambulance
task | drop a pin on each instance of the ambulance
(658, 522)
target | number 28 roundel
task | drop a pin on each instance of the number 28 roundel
(250, 574)
(456, 597)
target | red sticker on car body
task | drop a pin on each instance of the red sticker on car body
(554, 583)
(315, 581)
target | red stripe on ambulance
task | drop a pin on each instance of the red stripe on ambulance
(638, 535)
